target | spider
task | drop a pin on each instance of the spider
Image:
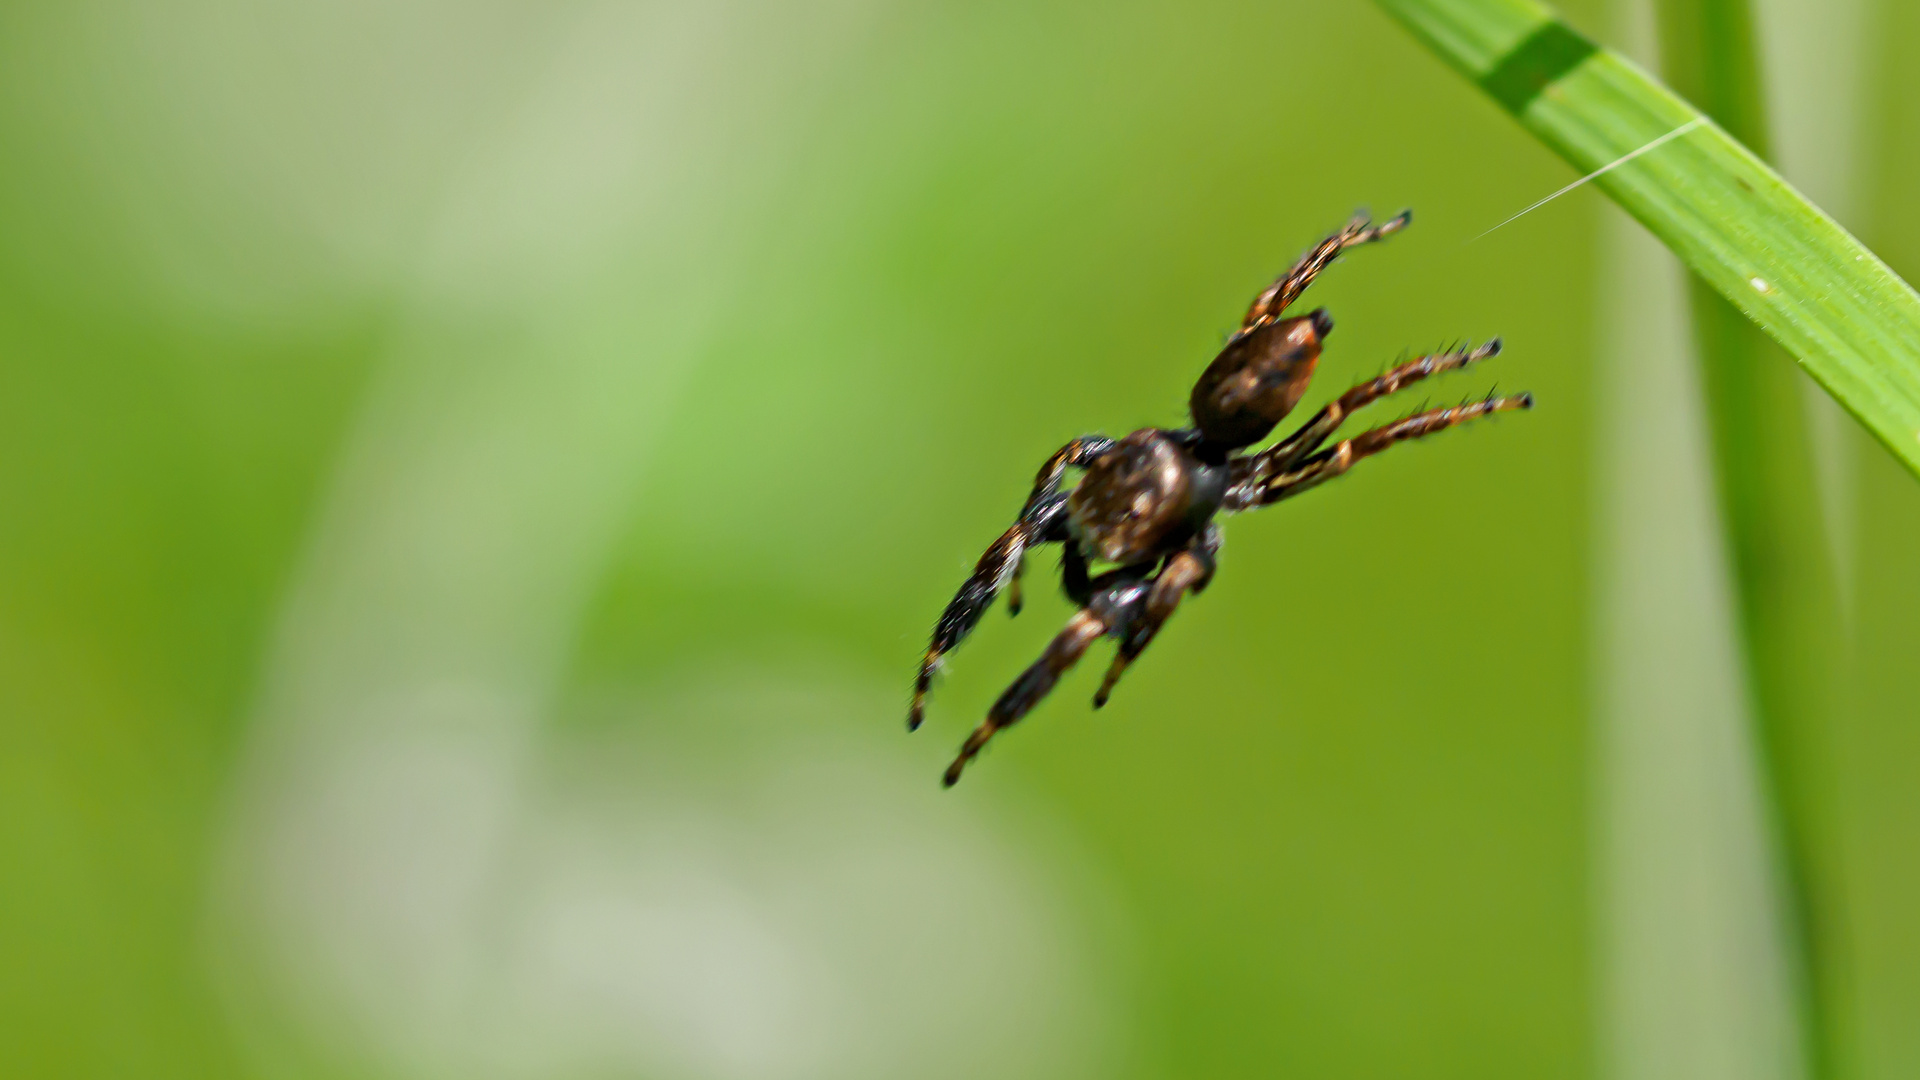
(1146, 504)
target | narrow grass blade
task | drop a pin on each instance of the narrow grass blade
(1852, 323)
(1770, 507)
(1761, 252)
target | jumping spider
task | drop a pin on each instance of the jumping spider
(1146, 503)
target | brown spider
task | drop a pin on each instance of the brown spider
(1146, 503)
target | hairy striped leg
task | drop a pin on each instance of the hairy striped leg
(1288, 287)
(1186, 571)
(1251, 473)
(1000, 567)
(1327, 464)
(1062, 653)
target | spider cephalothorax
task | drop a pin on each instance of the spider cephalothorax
(1146, 503)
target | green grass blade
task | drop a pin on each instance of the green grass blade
(1852, 323)
(1764, 259)
(1785, 586)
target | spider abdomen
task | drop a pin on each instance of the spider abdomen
(1258, 379)
(1136, 498)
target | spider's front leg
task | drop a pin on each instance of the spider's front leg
(1062, 653)
(999, 568)
(1125, 604)
(1278, 296)
(1187, 570)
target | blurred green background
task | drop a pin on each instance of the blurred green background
(476, 477)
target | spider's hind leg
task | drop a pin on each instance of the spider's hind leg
(1288, 287)
(1252, 472)
(1336, 460)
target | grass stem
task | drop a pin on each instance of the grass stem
(1768, 263)
(1770, 512)
(1849, 321)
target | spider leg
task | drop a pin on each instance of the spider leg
(1288, 287)
(1188, 570)
(1033, 684)
(1290, 451)
(1330, 463)
(1047, 524)
(999, 567)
